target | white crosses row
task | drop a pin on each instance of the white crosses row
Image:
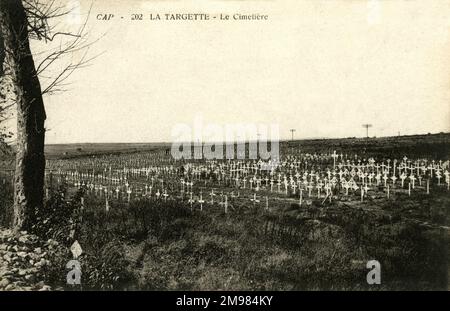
(157, 176)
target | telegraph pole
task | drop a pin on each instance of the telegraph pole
(367, 129)
(292, 134)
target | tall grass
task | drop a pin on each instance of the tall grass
(158, 245)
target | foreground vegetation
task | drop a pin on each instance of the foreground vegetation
(157, 245)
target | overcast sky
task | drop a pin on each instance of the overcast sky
(321, 67)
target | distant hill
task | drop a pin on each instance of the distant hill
(427, 145)
(432, 145)
(89, 149)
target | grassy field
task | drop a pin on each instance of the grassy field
(431, 145)
(156, 245)
(76, 150)
(414, 146)
(151, 244)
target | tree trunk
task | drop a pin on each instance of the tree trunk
(30, 160)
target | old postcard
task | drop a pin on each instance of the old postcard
(221, 145)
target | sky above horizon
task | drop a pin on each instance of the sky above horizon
(323, 68)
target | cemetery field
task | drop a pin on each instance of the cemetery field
(288, 248)
(88, 149)
(313, 221)
(431, 144)
(166, 245)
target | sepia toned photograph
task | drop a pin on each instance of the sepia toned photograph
(226, 146)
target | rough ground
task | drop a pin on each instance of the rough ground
(24, 260)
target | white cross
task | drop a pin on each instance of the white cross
(393, 178)
(310, 187)
(293, 186)
(191, 200)
(301, 196)
(225, 204)
(254, 200)
(212, 194)
(201, 201)
(334, 156)
(413, 179)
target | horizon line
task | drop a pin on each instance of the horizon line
(252, 140)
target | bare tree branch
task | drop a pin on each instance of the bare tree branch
(44, 24)
(66, 50)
